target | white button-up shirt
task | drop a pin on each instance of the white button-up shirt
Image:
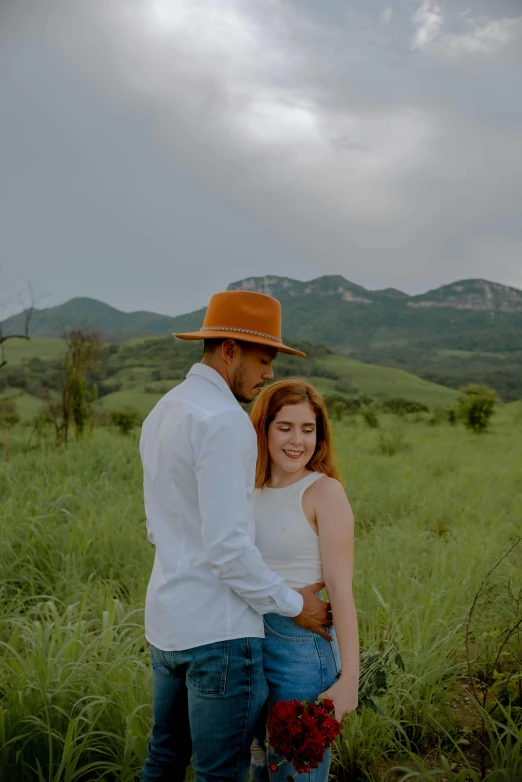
(209, 582)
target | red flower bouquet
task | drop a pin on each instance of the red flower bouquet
(303, 731)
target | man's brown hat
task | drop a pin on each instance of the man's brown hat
(246, 316)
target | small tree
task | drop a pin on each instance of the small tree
(475, 406)
(125, 419)
(8, 417)
(5, 303)
(77, 397)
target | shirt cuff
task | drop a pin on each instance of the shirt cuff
(294, 603)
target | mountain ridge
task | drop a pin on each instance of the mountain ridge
(51, 321)
(466, 331)
(474, 294)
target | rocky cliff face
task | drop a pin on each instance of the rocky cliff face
(280, 287)
(479, 295)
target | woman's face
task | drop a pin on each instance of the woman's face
(292, 437)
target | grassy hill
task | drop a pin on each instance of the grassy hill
(113, 323)
(20, 350)
(468, 331)
(140, 371)
(385, 382)
(380, 382)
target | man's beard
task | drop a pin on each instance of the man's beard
(238, 384)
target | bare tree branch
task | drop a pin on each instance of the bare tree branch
(27, 314)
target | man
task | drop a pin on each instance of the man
(209, 585)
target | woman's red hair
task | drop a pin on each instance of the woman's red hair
(266, 407)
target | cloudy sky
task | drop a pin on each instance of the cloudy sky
(152, 151)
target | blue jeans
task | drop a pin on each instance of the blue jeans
(206, 702)
(298, 664)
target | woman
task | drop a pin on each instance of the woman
(304, 530)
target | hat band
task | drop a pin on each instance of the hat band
(241, 331)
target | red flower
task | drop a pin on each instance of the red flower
(273, 768)
(302, 732)
(328, 705)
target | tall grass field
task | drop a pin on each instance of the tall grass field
(434, 513)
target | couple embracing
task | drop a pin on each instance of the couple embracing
(250, 522)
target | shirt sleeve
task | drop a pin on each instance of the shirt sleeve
(227, 517)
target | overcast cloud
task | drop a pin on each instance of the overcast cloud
(152, 151)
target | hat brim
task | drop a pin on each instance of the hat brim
(271, 343)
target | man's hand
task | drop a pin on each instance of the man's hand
(316, 613)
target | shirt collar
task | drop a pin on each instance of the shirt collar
(203, 370)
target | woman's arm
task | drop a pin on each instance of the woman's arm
(335, 526)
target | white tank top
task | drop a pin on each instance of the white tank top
(287, 542)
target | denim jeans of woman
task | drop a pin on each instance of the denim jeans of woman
(206, 703)
(298, 664)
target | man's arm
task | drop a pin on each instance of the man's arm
(226, 515)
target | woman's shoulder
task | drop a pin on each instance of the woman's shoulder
(328, 500)
(325, 487)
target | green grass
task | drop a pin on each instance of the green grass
(38, 347)
(389, 343)
(385, 382)
(132, 397)
(74, 670)
(380, 382)
(27, 405)
(447, 353)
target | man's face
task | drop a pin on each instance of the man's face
(252, 371)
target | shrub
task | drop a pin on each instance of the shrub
(8, 417)
(108, 388)
(475, 407)
(8, 412)
(392, 439)
(419, 418)
(125, 418)
(338, 406)
(39, 427)
(338, 410)
(158, 388)
(16, 378)
(37, 389)
(335, 405)
(443, 415)
(370, 418)
(399, 406)
(353, 405)
(103, 417)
